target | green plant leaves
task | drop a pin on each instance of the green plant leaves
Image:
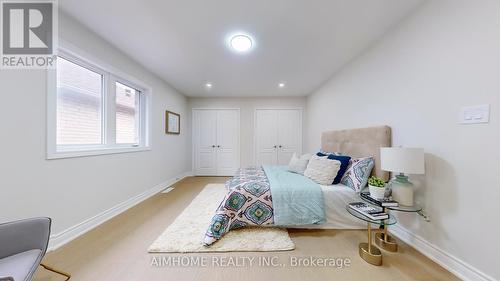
(376, 181)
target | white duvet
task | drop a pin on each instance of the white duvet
(336, 199)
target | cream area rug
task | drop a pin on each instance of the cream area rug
(185, 234)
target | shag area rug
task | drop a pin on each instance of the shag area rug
(185, 234)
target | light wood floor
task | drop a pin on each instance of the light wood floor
(116, 251)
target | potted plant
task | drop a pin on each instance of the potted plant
(377, 187)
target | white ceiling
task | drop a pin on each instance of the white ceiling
(302, 43)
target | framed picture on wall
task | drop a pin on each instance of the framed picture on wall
(172, 123)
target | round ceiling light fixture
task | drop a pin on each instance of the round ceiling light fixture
(241, 43)
(281, 85)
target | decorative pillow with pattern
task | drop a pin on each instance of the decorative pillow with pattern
(344, 164)
(358, 172)
(322, 170)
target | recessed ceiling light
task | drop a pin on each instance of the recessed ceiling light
(241, 43)
(208, 85)
(281, 85)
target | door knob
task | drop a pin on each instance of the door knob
(218, 146)
(275, 146)
(213, 146)
(280, 146)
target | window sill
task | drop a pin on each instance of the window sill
(94, 152)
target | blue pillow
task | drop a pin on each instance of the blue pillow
(344, 163)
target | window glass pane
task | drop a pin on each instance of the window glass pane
(79, 104)
(127, 114)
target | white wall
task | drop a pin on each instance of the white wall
(247, 108)
(73, 190)
(415, 79)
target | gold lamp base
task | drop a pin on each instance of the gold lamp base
(388, 244)
(371, 255)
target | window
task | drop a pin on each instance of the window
(79, 104)
(127, 114)
(92, 110)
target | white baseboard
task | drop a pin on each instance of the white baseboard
(456, 266)
(59, 239)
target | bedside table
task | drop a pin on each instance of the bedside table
(383, 239)
(367, 251)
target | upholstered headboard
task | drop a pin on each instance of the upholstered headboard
(359, 143)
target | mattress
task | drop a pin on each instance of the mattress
(336, 198)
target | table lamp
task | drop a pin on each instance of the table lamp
(401, 161)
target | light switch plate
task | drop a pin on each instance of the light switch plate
(475, 114)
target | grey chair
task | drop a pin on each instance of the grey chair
(23, 245)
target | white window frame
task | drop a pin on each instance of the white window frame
(110, 77)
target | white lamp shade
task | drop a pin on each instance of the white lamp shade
(402, 160)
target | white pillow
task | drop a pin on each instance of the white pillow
(299, 165)
(322, 170)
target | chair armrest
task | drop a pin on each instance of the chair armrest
(24, 235)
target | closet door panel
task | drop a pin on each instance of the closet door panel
(289, 134)
(266, 137)
(227, 142)
(205, 140)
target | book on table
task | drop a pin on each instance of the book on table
(386, 202)
(369, 211)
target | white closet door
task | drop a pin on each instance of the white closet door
(266, 137)
(205, 141)
(228, 132)
(289, 134)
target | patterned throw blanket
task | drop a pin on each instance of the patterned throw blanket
(249, 201)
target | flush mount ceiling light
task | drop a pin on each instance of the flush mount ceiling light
(208, 85)
(281, 85)
(241, 43)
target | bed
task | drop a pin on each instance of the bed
(296, 201)
(355, 143)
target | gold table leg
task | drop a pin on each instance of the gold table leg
(67, 275)
(371, 254)
(386, 241)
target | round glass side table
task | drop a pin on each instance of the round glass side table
(367, 251)
(383, 239)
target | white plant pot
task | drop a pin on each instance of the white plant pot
(377, 192)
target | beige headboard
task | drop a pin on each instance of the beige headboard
(359, 143)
